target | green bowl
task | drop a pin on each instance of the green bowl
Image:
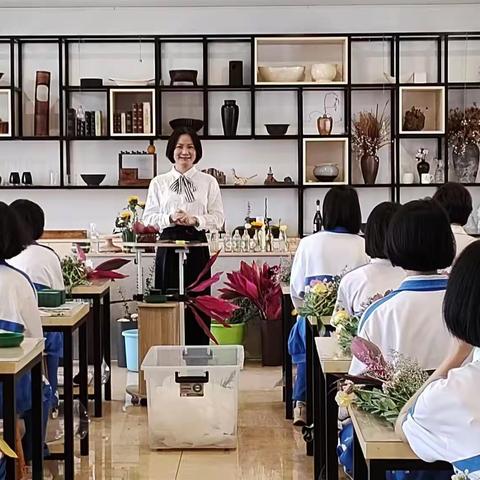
(10, 339)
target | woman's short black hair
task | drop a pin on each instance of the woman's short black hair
(377, 227)
(420, 238)
(461, 305)
(456, 200)
(31, 214)
(173, 140)
(13, 238)
(341, 208)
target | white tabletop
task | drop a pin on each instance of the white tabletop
(332, 359)
(12, 360)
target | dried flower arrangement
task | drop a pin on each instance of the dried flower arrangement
(371, 131)
(463, 128)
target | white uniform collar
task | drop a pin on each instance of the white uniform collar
(189, 173)
(458, 229)
(381, 261)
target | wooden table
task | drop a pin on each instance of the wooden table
(377, 449)
(14, 363)
(329, 364)
(99, 293)
(67, 324)
(287, 323)
(311, 332)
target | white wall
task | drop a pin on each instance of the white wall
(69, 209)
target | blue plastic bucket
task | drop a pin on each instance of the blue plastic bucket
(131, 349)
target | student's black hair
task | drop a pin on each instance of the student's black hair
(173, 140)
(420, 238)
(377, 227)
(31, 214)
(461, 305)
(456, 200)
(341, 208)
(13, 238)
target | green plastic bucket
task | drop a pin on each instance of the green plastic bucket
(228, 336)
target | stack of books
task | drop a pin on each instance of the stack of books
(87, 124)
(137, 120)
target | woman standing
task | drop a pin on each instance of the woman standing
(183, 204)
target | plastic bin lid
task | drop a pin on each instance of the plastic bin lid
(159, 357)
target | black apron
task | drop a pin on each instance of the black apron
(166, 275)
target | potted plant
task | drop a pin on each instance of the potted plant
(238, 321)
(127, 218)
(371, 132)
(463, 138)
(260, 285)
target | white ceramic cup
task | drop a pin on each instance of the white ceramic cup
(426, 178)
(408, 178)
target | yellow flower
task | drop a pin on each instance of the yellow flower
(141, 204)
(133, 199)
(319, 288)
(344, 399)
(340, 318)
(256, 223)
(294, 312)
(126, 215)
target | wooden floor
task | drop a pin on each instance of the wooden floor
(269, 447)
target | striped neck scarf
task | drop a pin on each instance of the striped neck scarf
(184, 186)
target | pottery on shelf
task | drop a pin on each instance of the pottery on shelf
(14, 178)
(277, 129)
(93, 179)
(413, 120)
(230, 113)
(27, 178)
(466, 165)
(183, 76)
(324, 72)
(324, 125)
(193, 123)
(326, 172)
(369, 166)
(281, 74)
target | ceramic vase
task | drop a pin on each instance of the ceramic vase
(369, 166)
(230, 113)
(324, 125)
(422, 167)
(326, 172)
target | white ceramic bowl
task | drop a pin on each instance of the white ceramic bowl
(324, 72)
(281, 74)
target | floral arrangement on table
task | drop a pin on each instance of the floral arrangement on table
(463, 128)
(371, 131)
(320, 297)
(76, 272)
(396, 382)
(128, 217)
(285, 269)
(259, 284)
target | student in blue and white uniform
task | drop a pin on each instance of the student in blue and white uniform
(442, 421)
(323, 255)
(379, 275)
(43, 267)
(457, 202)
(420, 241)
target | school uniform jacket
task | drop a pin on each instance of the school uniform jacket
(360, 285)
(444, 423)
(409, 321)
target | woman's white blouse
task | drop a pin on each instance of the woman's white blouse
(42, 265)
(360, 285)
(18, 307)
(444, 423)
(163, 202)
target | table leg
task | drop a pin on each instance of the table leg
(9, 421)
(83, 375)
(288, 362)
(106, 343)
(309, 377)
(37, 422)
(318, 417)
(377, 470)
(97, 356)
(68, 404)
(331, 427)
(284, 345)
(360, 470)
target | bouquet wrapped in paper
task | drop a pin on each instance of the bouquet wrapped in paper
(320, 297)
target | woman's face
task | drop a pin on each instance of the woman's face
(184, 154)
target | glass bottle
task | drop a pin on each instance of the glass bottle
(227, 242)
(317, 219)
(237, 242)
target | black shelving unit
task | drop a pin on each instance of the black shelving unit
(394, 41)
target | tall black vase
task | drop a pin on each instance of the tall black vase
(230, 113)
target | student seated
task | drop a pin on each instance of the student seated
(442, 421)
(457, 202)
(323, 255)
(43, 267)
(379, 275)
(420, 241)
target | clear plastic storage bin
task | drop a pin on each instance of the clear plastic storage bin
(193, 396)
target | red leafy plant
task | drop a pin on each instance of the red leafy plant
(105, 269)
(217, 308)
(259, 284)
